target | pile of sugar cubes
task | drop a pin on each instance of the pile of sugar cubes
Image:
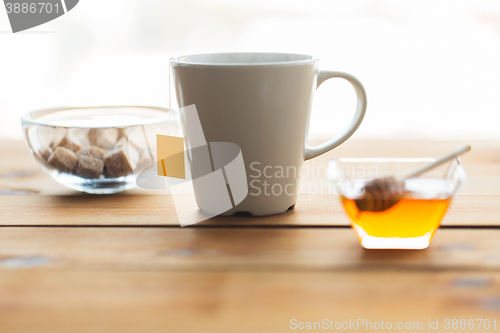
(95, 153)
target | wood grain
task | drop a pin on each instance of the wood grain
(121, 263)
(57, 205)
(319, 210)
(20, 174)
(234, 301)
(330, 249)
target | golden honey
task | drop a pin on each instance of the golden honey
(408, 218)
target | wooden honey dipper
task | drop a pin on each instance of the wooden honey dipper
(382, 193)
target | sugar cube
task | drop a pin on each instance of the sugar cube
(118, 163)
(63, 159)
(89, 167)
(104, 138)
(67, 143)
(79, 136)
(93, 151)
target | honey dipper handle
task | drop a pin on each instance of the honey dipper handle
(437, 162)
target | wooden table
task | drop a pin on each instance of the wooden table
(71, 262)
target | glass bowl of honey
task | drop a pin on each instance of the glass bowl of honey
(385, 220)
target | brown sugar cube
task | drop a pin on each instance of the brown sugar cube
(45, 153)
(123, 142)
(94, 135)
(105, 172)
(104, 138)
(122, 133)
(89, 167)
(79, 136)
(93, 151)
(131, 151)
(118, 163)
(136, 139)
(50, 136)
(67, 143)
(63, 159)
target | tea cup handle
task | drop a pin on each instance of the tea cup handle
(311, 152)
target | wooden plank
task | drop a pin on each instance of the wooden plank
(319, 210)
(330, 249)
(217, 279)
(233, 301)
(20, 174)
(57, 205)
(84, 209)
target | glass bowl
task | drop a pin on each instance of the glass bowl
(414, 218)
(99, 150)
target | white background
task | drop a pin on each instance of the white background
(431, 69)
